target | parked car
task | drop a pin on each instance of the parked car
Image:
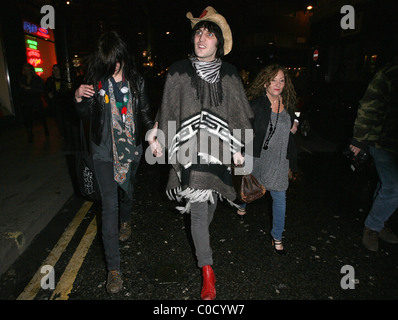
(330, 111)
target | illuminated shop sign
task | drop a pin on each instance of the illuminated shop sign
(33, 55)
(35, 30)
(40, 48)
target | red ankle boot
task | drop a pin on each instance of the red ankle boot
(209, 280)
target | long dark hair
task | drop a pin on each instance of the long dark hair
(214, 28)
(111, 48)
(264, 77)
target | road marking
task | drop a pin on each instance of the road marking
(33, 286)
(65, 283)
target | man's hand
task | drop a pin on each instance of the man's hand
(294, 127)
(354, 149)
(238, 159)
(156, 147)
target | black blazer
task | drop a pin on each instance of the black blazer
(262, 113)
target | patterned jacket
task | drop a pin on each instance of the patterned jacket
(377, 119)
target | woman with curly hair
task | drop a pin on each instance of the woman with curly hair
(273, 98)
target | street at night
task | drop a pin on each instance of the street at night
(51, 245)
(326, 208)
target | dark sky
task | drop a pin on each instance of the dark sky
(239, 13)
(243, 16)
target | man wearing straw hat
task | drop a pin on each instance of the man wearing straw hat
(203, 106)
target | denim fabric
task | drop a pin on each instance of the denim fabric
(278, 213)
(386, 193)
(114, 203)
(201, 216)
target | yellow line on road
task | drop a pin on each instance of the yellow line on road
(65, 283)
(34, 285)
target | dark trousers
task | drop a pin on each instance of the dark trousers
(30, 113)
(201, 216)
(116, 204)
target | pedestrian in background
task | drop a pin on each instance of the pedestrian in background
(56, 94)
(61, 104)
(205, 98)
(273, 98)
(32, 90)
(114, 99)
(376, 130)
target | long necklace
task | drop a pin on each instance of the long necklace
(272, 127)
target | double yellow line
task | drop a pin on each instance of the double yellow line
(65, 283)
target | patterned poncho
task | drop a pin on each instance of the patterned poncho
(203, 124)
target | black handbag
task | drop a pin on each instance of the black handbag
(86, 179)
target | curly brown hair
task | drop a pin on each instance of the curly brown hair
(264, 77)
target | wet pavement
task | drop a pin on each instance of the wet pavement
(326, 207)
(34, 184)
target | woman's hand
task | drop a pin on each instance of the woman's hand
(85, 90)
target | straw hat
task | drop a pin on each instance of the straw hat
(210, 14)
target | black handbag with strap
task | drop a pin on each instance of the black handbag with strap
(87, 181)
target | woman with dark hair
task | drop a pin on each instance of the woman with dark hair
(273, 99)
(205, 99)
(114, 99)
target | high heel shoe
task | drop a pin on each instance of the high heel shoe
(209, 280)
(275, 243)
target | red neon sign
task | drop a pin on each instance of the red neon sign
(32, 53)
(42, 30)
(34, 61)
(43, 35)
